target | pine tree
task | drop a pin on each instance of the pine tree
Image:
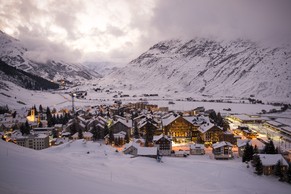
(149, 133)
(136, 133)
(278, 170)
(73, 128)
(40, 124)
(259, 167)
(288, 174)
(49, 117)
(106, 130)
(96, 132)
(270, 148)
(22, 128)
(80, 133)
(256, 150)
(27, 128)
(111, 137)
(40, 108)
(127, 138)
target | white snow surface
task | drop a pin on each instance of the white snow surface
(68, 169)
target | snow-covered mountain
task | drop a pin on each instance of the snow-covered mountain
(12, 51)
(238, 68)
(103, 68)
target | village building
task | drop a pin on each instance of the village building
(197, 149)
(164, 144)
(121, 124)
(131, 148)
(179, 128)
(222, 150)
(210, 133)
(270, 161)
(37, 142)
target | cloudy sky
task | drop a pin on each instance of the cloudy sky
(120, 30)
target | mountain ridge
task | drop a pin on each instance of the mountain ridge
(13, 53)
(203, 66)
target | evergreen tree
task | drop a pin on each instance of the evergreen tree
(212, 116)
(288, 174)
(49, 117)
(14, 114)
(55, 133)
(256, 150)
(22, 128)
(40, 124)
(136, 132)
(127, 138)
(259, 167)
(278, 170)
(106, 130)
(111, 137)
(149, 133)
(80, 133)
(73, 128)
(248, 153)
(270, 148)
(27, 128)
(40, 109)
(96, 132)
(35, 110)
(219, 120)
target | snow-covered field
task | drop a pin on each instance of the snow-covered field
(69, 169)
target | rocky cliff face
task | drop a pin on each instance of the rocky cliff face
(237, 68)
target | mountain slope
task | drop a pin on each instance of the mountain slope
(207, 67)
(14, 53)
(25, 79)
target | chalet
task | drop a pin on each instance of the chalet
(210, 133)
(179, 128)
(222, 150)
(197, 149)
(270, 161)
(121, 124)
(131, 148)
(241, 144)
(164, 144)
(147, 123)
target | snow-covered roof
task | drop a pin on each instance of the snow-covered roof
(157, 137)
(244, 117)
(272, 159)
(275, 123)
(147, 151)
(169, 119)
(221, 144)
(126, 146)
(87, 134)
(243, 142)
(196, 146)
(205, 127)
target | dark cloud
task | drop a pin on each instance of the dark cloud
(224, 18)
(120, 30)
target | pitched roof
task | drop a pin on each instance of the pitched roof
(272, 159)
(158, 137)
(147, 151)
(169, 119)
(205, 127)
(221, 144)
(196, 146)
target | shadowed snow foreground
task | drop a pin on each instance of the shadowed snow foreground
(79, 167)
